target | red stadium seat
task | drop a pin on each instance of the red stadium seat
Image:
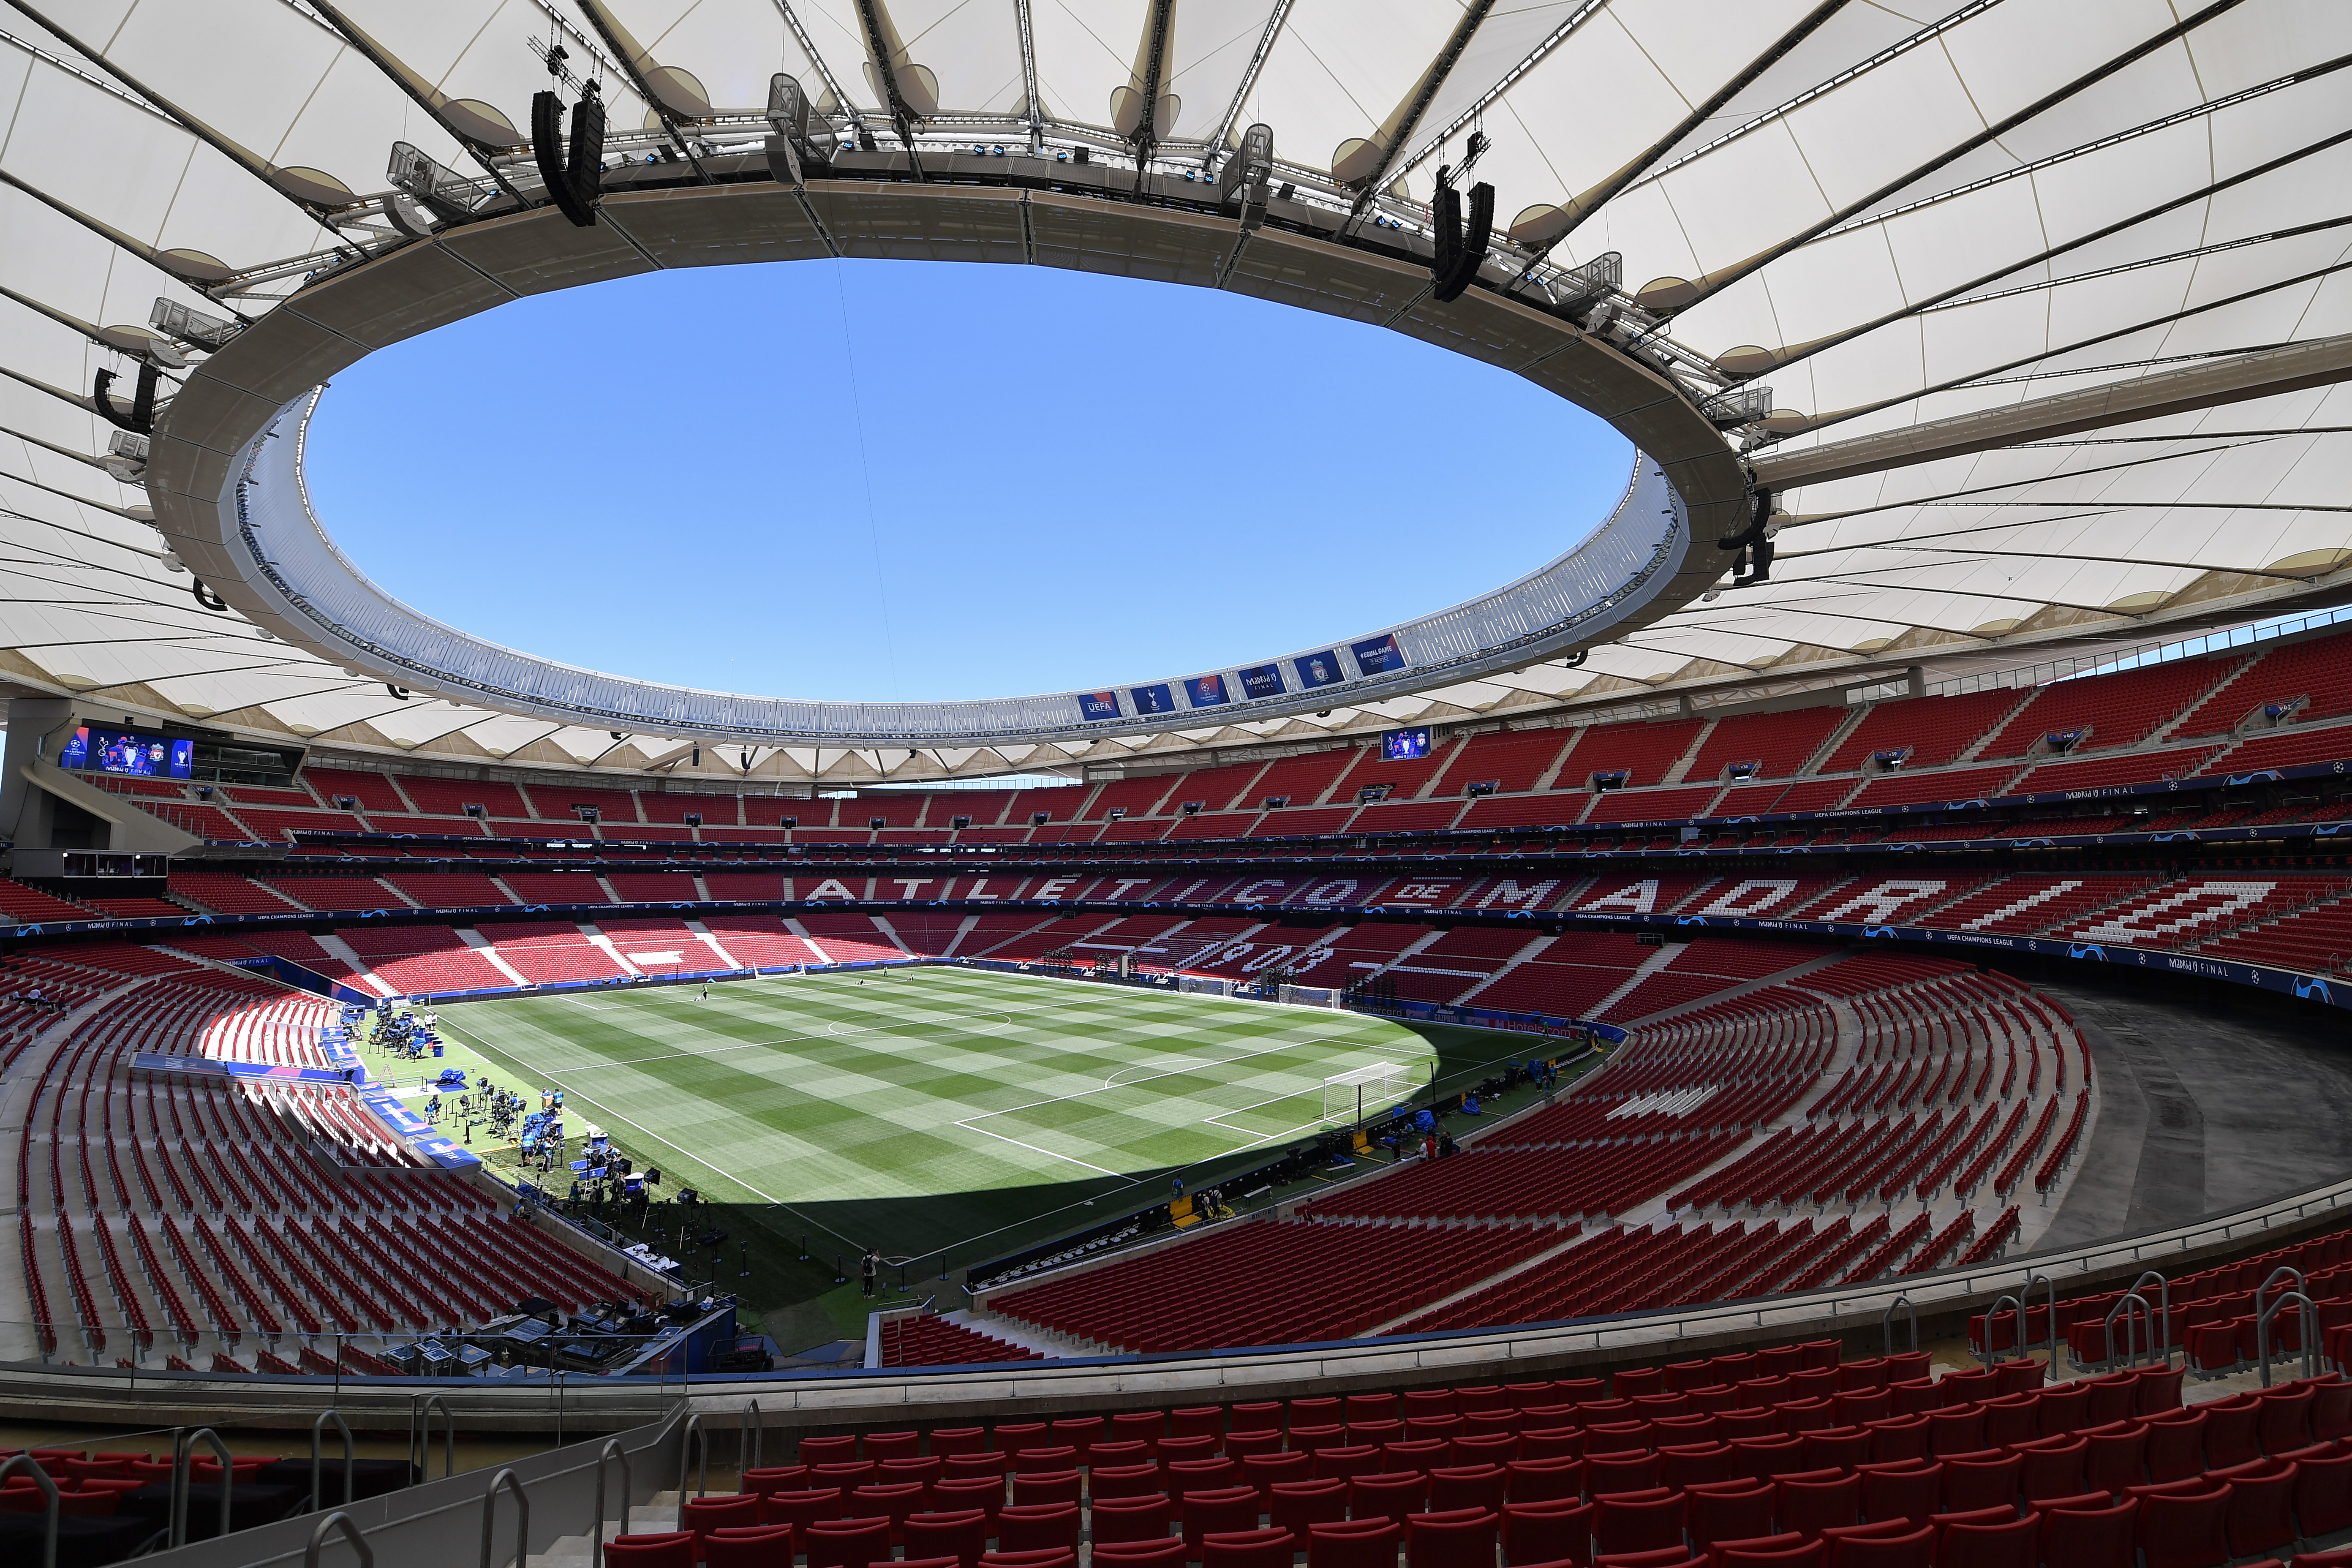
(667, 1549)
(749, 1546)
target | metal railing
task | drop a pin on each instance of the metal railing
(49, 1496)
(2133, 658)
(1887, 1322)
(351, 1455)
(182, 1458)
(420, 1434)
(351, 1532)
(2122, 1307)
(513, 1483)
(2306, 1323)
(611, 1451)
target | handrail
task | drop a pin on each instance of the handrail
(2262, 1291)
(759, 1433)
(2050, 1322)
(697, 1441)
(611, 1450)
(183, 1444)
(2306, 1323)
(513, 1483)
(420, 1434)
(2123, 1304)
(49, 1487)
(1993, 1313)
(350, 1451)
(1887, 1322)
(351, 1532)
(2164, 1303)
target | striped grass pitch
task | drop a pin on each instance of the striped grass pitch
(935, 1107)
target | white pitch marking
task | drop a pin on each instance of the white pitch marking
(1112, 1081)
(1033, 1148)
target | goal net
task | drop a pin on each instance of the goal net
(1367, 1091)
(1203, 985)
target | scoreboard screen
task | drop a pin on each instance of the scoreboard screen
(1405, 745)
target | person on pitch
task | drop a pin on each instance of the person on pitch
(869, 1268)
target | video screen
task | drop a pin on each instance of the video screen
(1405, 745)
(123, 751)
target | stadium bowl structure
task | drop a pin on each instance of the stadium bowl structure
(231, 498)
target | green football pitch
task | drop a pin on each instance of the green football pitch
(936, 1111)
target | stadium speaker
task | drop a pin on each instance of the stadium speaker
(347, 803)
(877, 823)
(959, 823)
(694, 819)
(574, 184)
(1459, 252)
(141, 420)
(475, 809)
(204, 791)
(1039, 818)
(788, 823)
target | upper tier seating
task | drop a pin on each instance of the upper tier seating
(275, 825)
(1510, 760)
(449, 798)
(1133, 797)
(1646, 753)
(1908, 788)
(1933, 730)
(1779, 743)
(1651, 805)
(2120, 708)
(1407, 779)
(2318, 668)
(450, 890)
(555, 887)
(1304, 780)
(2294, 746)
(654, 887)
(221, 892)
(338, 893)
(375, 792)
(2101, 772)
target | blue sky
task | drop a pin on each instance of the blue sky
(871, 479)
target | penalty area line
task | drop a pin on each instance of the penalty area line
(1033, 1148)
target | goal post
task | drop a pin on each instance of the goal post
(1349, 1097)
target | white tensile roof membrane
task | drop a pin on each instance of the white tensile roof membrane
(1895, 217)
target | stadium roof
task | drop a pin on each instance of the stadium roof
(2047, 298)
